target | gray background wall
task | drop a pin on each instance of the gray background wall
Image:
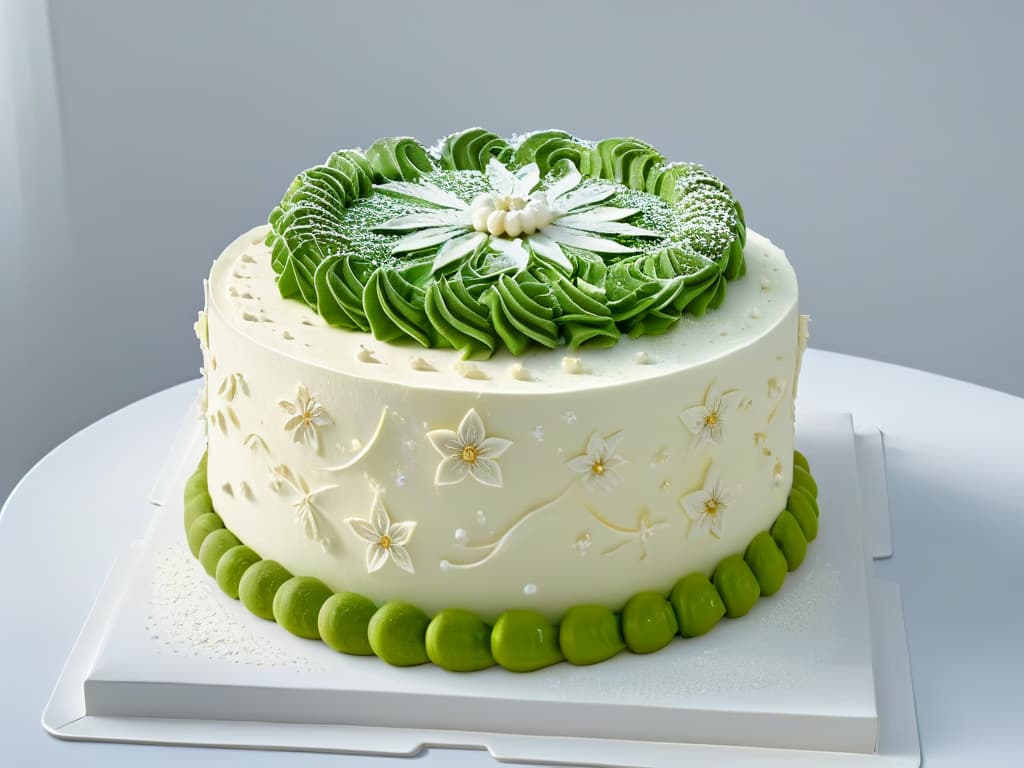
(877, 142)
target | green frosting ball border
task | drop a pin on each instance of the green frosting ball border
(642, 294)
(520, 640)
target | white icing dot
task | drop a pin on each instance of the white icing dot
(582, 543)
(469, 370)
(461, 536)
(573, 366)
(754, 313)
(481, 517)
(530, 589)
(445, 565)
(419, 364)
(365, 355)
(766, 284)
(642, 358)
(518, 372)
(569, 417)
(400, 479)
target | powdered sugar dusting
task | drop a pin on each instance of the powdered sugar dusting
(187, 615)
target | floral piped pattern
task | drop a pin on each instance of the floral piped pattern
(385, 540)
(303, 498)
(597, 465)
(305, 417)
(514, 219)
(468, 452)
(706, 507)
(707, 420)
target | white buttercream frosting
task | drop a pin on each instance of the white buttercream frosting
(638, 514)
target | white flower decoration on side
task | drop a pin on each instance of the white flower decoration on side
(468, 452)
(516, 220)
(307, 415)
(598, 464)
(706, 507)
(386, 539)
(282, 479)
(707, 421)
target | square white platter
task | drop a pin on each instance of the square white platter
(816, 675)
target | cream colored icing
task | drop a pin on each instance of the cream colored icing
(573, 489)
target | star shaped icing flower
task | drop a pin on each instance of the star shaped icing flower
(306, 416)
(515, 219)
(706, 507)
(597, 465)
(468, 452)
(707, 420)
(386, 540)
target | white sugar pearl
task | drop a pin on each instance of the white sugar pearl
(480, 218)
(496, 222)
(528, 220)
(514, 223)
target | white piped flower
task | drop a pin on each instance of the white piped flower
(516, 220)
(307, 415)
(386, 539)
(284, 480)
(706, 507)
(468, 452)
(707, 421)
(598, 464)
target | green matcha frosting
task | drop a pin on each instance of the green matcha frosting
(484, 243)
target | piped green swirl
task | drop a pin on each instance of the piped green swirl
(328, 251)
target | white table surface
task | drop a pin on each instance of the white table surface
(955, 463)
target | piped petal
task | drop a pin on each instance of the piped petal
(425, 238)
(605, 213)
(445, 441)
(457, 248)
(379, 519)
(568, 182)
(487, 472)
(526, 178)
(450, 471)
(424, 191)
(581, 464)
(512, 250)
(693, 418)
(549, 250)
(400, 533)
(363, 529)
(594, 193)
(694, 504)
(448, 217)
(501, 178)
(376, 556)
(471, 429)
(401, 558)
(579, 239)
(493, 447)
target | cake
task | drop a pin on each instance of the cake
(501, 402)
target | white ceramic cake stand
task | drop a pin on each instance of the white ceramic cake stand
(817, 675)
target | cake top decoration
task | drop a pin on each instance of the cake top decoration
(486, 243)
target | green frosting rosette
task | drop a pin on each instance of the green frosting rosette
(483, 243)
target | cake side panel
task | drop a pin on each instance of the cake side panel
(565, 497)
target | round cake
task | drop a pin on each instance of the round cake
(466, 396)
